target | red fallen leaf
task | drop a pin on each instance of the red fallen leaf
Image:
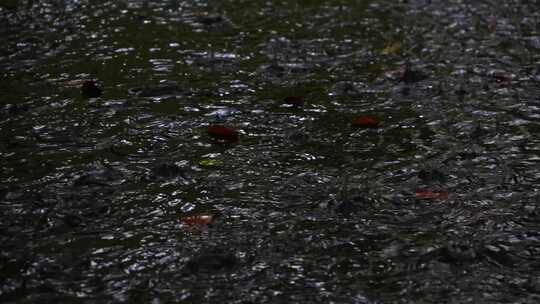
(197, 220)
(222, 133)
(296, 101)
(366, 122)
(431, 195)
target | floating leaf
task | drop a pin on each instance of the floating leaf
(431, 195)
(209, 162)
(392, 48)
(223, 134)
(366, 122)
(197, 221)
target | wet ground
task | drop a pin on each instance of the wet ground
(269, 151)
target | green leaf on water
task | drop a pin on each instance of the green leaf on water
(209, 162)
(392, 48)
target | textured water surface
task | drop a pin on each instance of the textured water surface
(126, 197)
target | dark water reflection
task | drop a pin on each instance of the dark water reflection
(109, 199)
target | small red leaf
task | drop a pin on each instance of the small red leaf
(431, 195)
(222, 133)
(197, 220)
(366, 122)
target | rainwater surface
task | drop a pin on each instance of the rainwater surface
(255, 151)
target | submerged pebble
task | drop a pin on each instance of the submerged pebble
(89, 89)
(406, 74)
(99, 177)
(348, 206)
(211, 19)
(294, 101)
(212, 261)
(167, 170)
(460, 251)
(159, 90)
(432, 176)
(411, 76)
